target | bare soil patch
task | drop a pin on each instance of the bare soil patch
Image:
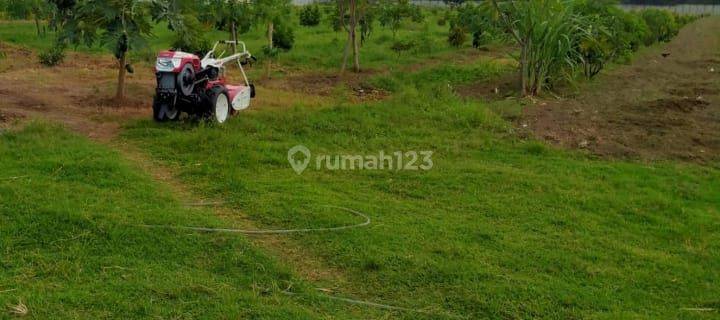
(15, 57)
(492, 89)
(657, 108)
(327, 85)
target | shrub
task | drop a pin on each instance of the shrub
(310, 15)
(476, 19)
(53, 56)
(442, 21)
(401, 46)
(661, 23)
(283, 37)
(548, 33)
(614, 34)
(416, 14)
(457, 36)
(392, 13)
(682, 20)
(634, 31)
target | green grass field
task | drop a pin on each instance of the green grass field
(501, 227)
(71, 247)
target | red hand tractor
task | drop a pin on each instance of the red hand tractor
(186, 83)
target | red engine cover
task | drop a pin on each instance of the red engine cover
(182, 57)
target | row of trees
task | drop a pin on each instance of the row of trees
(558, 38)
(124, 25)
(555, 37)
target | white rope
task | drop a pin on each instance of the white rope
(271, 231)
(304, 230)
(377, 305)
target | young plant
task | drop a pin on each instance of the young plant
(393, 12)
(547, 32)
(475, 19)
(120, 25)
(235, 17)
(271, 13)
(310, 15)
(352, 14)
(662, 24)
(53, 56)
(457, 36)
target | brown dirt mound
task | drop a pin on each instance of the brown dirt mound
(657, 108)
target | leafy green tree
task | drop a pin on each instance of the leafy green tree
(233, 16)
(393, 12)
(271, 13)
(120, 25)
(479, 20)
(62, 11)
(353, 14)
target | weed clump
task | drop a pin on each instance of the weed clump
(52, 57)
(457, 36)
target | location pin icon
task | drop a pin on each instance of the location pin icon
(299, 165)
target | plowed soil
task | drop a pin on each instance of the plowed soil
(656, 108)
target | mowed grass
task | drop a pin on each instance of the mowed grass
(71, 247)
(499, 228)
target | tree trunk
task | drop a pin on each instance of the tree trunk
(353, 35)
(346, 53)
(120, 94)
(356, 52)
(524, 80)
(268, 63)
(37, 25)
(233, 33)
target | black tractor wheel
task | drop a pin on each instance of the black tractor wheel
(186, 80)
(163, 111)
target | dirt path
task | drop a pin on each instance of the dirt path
(75, 95)
(656, 108)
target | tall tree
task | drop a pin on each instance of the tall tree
(120, 25)
(354, 14)
(233, 16)
(271, 13)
